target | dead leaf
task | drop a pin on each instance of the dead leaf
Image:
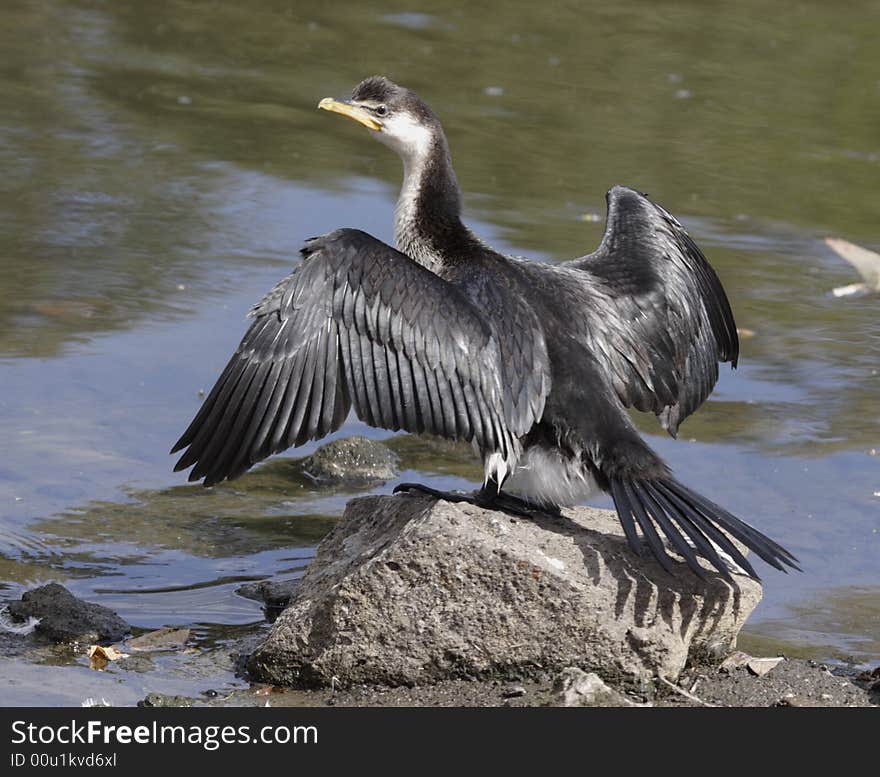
(757, 666)
(760, 666)
(109, 652)
(867, 264)
(161, 639)
(850, 290)
(100, 656)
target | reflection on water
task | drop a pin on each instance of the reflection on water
(163, 161)
(842, 622)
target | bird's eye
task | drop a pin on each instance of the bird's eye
(382, 110)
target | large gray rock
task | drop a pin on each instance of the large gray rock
(406, 590)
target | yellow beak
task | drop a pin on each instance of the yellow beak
(352, 111)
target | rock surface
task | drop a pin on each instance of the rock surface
(406, 590)
(576, 688)
(64, 618)
(352, 459)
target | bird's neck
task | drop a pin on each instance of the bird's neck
(428, 224)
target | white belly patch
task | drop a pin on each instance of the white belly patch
(545, 477)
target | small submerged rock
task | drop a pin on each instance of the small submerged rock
(275, 594)
(64, 618)
(166, 638)
(352, 459)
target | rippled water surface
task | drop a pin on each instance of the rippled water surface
(162, 161)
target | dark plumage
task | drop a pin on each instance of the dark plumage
(533, 364)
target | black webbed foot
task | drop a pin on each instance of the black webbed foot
(508, 503)
(487, 498)
(449, 496)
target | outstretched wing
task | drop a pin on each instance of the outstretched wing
(661, 322)
(357, 323)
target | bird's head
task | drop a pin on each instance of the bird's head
(395, 116)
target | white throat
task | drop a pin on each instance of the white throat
(414, 142)
(406, 232)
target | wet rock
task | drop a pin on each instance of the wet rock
(166, 638)
(275, 594)
(140, 663)
(352, 459)
(64, 618)
(406, 590)
(870, 680)
(166, 700)
(574, 687)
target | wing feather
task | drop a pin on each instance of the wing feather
(360, 324)
(661, 321)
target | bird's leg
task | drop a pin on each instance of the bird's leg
(448, 496)
(487, 497)
(493, 499)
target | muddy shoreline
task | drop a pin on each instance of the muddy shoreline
(794, 682)
(191, 673)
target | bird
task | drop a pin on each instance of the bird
(536, 365)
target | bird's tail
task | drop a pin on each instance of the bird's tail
(692, 524)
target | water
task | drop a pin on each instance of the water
(162, 162)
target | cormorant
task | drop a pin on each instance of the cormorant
(534, 364)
